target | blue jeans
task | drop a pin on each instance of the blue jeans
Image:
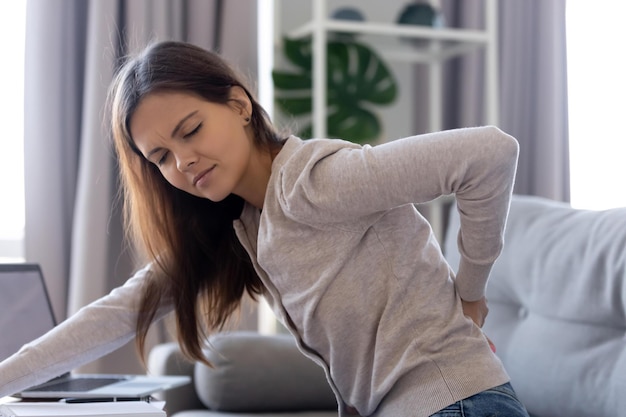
(499, 401)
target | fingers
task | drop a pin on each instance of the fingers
(491, 345)
(476, 310)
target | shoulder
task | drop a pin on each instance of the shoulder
(303, 175)
(298, 150)
(301, 158)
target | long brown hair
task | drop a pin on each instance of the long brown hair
(198, 264)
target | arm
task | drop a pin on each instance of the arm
(94, 331)
(477, 165)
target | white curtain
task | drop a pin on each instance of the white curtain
(534, 94)
(73, 224)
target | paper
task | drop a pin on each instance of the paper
(99, 409)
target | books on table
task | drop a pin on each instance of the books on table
(90, 409)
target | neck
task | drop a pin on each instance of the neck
(255, 186)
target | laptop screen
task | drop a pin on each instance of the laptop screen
(26, 311)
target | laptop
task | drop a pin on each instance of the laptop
(27, 314)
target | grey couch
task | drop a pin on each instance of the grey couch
(254, 376)
(557, 298)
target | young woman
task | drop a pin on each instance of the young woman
(325, 229)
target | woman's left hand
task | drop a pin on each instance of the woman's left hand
(477, 311)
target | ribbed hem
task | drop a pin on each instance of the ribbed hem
(410, 396)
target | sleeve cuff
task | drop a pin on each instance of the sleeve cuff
(471, 280)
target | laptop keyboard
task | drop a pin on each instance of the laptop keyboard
(79, 384)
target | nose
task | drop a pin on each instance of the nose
(185, 161)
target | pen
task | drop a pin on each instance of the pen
(104, 399)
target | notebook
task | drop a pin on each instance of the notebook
(27, 314)
(108, 409)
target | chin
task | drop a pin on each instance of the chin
(216, 198)
(196, 193)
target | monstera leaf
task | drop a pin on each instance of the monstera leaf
(357, 81)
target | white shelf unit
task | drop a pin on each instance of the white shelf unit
(441, 44)
(437, 46)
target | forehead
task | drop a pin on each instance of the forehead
(158, 113)
(156, 106)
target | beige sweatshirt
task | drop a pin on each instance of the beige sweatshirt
(353, 271)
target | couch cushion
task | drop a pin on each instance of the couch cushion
(557, 298)
(256, 373)
(208, 413)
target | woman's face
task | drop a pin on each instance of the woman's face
(200, 147)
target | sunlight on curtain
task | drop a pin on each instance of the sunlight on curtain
(12, 30)
(597, 90)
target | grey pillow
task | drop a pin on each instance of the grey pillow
(254, 372)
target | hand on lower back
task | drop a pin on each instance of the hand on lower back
(477, 311)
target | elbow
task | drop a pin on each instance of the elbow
(507, 146)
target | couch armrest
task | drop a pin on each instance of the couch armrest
(167, 359)
(259, 373)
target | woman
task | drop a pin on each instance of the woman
(326, 230)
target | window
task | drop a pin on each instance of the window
(597, 90)
(12, 26)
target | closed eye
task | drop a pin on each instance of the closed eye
(193, 132)
(163, 158)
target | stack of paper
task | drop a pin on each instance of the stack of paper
(95, 409)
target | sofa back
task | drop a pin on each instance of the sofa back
(557, 299)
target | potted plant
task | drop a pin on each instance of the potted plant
(357, 81)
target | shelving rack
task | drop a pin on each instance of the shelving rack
(443, 43)
(437, 45)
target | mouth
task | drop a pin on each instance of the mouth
(202, 175)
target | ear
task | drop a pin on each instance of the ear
(241, 101)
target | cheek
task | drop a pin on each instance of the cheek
(179, 181)
(175, 178)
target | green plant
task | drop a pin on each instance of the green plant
(357, 78)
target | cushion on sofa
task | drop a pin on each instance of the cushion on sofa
(557, 298)
(256, 373)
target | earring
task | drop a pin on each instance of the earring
(247, 119)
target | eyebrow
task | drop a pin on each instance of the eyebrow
(152, 152)
(174, 132)
(182, 121)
